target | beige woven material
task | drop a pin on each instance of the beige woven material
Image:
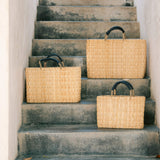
(116, 58)
(120, 112)
(47, 85)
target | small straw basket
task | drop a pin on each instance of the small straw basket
(121, 111)
(53, 84)
(116, 58)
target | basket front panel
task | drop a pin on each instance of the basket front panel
(53, 84)
(116, 58)
(120, 111)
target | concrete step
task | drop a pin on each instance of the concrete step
(63, 47)
(87, 2)
(78, 113)
(89, 13)
(91, 88)
(68, 61)
(83, 29)
(87, 139)
(86, 157)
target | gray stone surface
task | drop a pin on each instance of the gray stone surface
(83, 29)
(63, 47)
(87, 2)
(77, 139)
(85, 157)
(68, 131)
(78, 113)
(91, 88)
(89, 13)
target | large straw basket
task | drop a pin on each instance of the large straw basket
(53, 84)
(116, 58)
(120, 111)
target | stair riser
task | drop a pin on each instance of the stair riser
(83, 113)
(91, 88)
(86, 13)
(108, 143)
(61, 47)
(84, 30)
(87, 2)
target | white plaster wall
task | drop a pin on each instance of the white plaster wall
(4, 78)
(16, 33)
(149, 17)
(22, 14)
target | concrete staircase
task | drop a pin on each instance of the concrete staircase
(68, 131)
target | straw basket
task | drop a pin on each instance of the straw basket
(53, 84)
(116, 58)
(120, 111)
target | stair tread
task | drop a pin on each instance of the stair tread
(88, 6)
(85, 21)
(85, 157)
(91, 128)
(83, 101)
(87, 139)
(86, 2)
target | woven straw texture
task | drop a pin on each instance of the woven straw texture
(120, 112)
(116, 58)
(47, 85)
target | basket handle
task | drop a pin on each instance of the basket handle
(130, 87)
(60, 59)
(45, 60)
(115, 28)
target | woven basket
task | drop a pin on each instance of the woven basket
(53, 84)
(116, 58)
(120, 111)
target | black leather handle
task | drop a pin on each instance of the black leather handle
(54, 54)
(49, 59)
(130, 87)
(115, 28)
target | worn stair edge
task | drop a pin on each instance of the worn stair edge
(78, 113)
(87, 2)
(89, 13)
(79, 139)
(83, 29)
(85, 157)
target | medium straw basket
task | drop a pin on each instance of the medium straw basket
(116, 58)
(121, 111)
(53, 84)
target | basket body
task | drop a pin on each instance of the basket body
(120, 112)
(59, 85)
(116, 58)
